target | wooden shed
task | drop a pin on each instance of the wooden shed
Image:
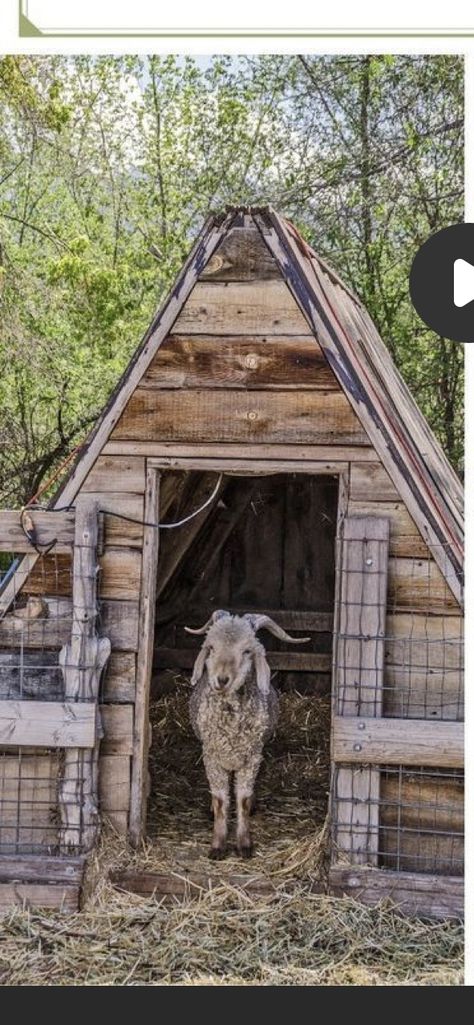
(261, 368)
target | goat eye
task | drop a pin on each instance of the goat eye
(247, 651)
(210, 650)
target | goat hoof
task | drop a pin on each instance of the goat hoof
(245, 852)
(217, 853)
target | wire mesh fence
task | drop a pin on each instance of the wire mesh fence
(37, 803)
(418, 643)
(408, 819)
(43, 790)
(406, 634)
(398, 654)
(37, 624)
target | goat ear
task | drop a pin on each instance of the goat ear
(262, 671)
(199, 664)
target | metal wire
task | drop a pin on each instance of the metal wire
(408, 819)
(39, 788)
(397, 654)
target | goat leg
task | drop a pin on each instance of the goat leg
(244, 794)
(219, 785)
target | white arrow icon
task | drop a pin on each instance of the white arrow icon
(463, 282)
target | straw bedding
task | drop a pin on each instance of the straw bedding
(292, 791)
(226, 936)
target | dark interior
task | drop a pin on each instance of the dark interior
(267, 545)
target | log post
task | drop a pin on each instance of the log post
(81, 662)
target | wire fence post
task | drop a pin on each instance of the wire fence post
(82, 661)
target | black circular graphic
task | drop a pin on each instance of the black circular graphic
(442, 282)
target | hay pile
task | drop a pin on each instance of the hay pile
(224, 936)
(288, 827)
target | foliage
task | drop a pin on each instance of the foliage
(109, 165)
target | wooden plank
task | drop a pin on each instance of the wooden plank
(371, 482)
(359, 665)
(120, 573)
(437, 897)
(141, 744)
(360, 648)
(82, 660)
(117, 723)
(359, 740)
(355, 800)
(245, 308)
(187, 884)
(118, 532)
(52, 575)
(405, 538)
(28, 804)
(47, 723)
(317, 417)
(241, 256)
(197, 361)
(422, 823)
(184, 658)
(424, 657)
(52, 896)
(248, 467)
(118, 621)
(114, 789)
(43, 868)
(419, 585)
(347, 356)
(119, 680)
(116, 473)
(309, 562)
(48, 527)
(314, 622)
(404, 411)
(290, 453)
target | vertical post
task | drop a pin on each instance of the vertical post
(82, 661)
(141, 730)
(358, 677)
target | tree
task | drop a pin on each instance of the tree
(109, 165)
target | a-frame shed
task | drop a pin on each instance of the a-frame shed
(262, 362)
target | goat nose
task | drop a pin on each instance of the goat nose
(222, 681)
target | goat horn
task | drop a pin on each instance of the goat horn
(217, 614)
(264, 622)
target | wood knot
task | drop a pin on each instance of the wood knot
(251, 361)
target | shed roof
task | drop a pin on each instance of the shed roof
(358, 357)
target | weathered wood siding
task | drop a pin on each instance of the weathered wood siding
(239, 373)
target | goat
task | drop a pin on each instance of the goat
(233, 710)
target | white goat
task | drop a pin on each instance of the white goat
(233, 710)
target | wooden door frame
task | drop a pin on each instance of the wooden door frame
(155, 466)
(433, 896)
